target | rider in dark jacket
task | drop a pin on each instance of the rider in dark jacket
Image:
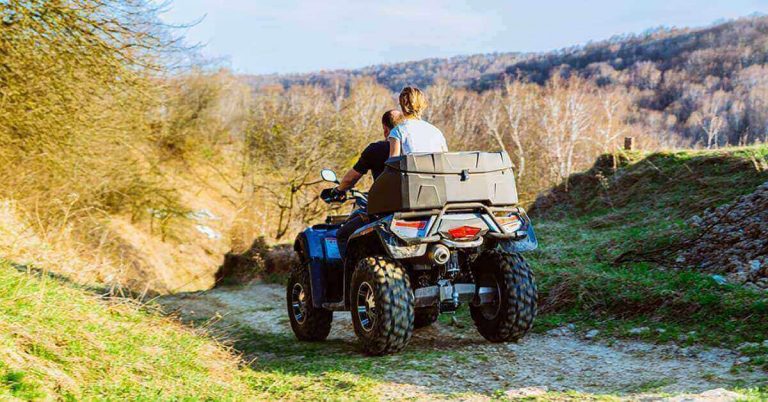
(373, 158)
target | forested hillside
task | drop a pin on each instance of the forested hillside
(105, 155)
(703, 86)
(709, 85)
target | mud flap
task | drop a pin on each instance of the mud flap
(529, 243)
(323, 254)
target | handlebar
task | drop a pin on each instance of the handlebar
(330, 196)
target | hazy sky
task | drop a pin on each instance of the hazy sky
(267, 36)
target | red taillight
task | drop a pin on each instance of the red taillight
(464, 232)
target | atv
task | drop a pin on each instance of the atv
(444, 230)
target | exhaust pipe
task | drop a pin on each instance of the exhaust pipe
(439, 254)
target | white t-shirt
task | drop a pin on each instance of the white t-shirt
(417, 136)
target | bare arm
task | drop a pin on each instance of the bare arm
(394, 147)
(349, 180)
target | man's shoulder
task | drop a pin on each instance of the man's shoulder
(377, 146)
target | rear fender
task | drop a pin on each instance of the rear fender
(376, 239)
(364, 242)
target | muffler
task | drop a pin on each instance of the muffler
(439, 254)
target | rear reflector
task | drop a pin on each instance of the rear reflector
(409, 229)
(510, 223)
(464, 232)
(412, 225)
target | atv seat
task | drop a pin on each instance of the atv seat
(428, 181)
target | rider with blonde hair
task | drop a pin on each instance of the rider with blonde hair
(415, 135)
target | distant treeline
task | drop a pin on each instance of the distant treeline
(460, 71)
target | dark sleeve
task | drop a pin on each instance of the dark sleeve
(364, 164)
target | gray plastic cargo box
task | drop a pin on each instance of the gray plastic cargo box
(427, 181)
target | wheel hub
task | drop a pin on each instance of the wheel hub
(366, 306)
(490, 310)
(299, 303)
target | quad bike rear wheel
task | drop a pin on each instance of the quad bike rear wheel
(511, 314)
(309, 323)
(381, 301)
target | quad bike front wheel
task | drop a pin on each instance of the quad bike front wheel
(511, 314)
(309, 323)
(381, 301)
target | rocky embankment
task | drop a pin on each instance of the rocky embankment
(732, 240)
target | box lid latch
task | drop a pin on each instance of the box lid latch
(465, 175)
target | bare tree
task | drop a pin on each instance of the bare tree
(517, 105)
(492, 115)
(613, 107)
(710, 118)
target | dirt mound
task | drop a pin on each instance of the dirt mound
(259, 261)
(679, 183)
(582, 190)
(733, 240)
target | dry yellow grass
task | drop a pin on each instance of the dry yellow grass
(58, 341)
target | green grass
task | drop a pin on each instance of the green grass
(680, 182)
(754, 394)
(60, 341)
(63, 342)
(642, 207)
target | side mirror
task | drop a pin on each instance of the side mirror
(329, 175)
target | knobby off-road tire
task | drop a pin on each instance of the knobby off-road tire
(511, 316)
(385, 285)
(311, 324)
(425, 316)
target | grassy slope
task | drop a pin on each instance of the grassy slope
(60, 341)
(643, 206)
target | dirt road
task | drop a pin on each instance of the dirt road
(453, 361)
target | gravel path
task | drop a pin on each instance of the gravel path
(540, 362)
